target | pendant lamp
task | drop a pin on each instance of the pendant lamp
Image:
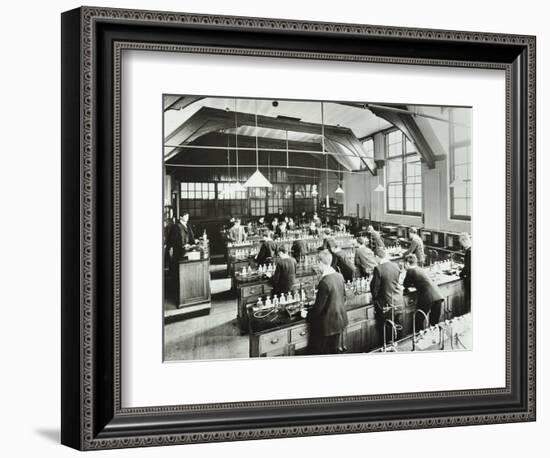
(339, 189)
(379, 188)
(257, 180)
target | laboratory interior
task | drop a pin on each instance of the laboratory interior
(314, 227)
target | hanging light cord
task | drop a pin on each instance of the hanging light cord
(323, 146)
(256, 122)
(236, 142)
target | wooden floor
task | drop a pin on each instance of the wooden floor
(212, 336)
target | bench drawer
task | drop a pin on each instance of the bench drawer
(299, 337)
(255, 290)
(357, 315)
(273, 341)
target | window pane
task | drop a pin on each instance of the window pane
(460, 192)
(462, 172)
(461, 134)
(395, 150)
(395, 137)
(460, 206)
(462, 155)
(396, 204)
(395, 170)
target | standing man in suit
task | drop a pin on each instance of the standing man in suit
(237, 232)
(385, 288)
(284, 277)
(267, 250)
(299, 249)
(316, 220)
(274, 224)
(180, 237)
(281, 230)
(466, 272)
(376, 241)
(416, 247)
(327, 317)
(428, 296)
(339, 262)
(365, 260)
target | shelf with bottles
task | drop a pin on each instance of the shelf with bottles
(395, 251)
(250, 274)
(358, 292)
(242, 254)
(290, 303)
(447, 267)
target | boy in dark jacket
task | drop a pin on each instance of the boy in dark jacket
(328, 317)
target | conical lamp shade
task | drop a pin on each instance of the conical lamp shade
(257, 180)
(379, 188)
(339, 190)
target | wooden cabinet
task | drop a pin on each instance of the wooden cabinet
(293, 339)
(194, 283)
(355, 337)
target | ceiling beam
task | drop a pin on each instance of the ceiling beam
(404, 119)
(208, 120)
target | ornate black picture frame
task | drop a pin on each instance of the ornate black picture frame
(92, 42)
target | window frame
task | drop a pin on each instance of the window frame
(403, 156)
(291, 205)
(451, 168)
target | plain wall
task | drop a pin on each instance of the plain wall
(30, 230)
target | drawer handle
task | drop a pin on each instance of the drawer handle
(303, 333)
(275, 340)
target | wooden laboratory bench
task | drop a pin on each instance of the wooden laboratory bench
(249, 291)
(250, 249)
(282, 335)
(194, 283)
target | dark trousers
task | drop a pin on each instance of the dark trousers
(467, 295)
(435, 313)
(324, 345)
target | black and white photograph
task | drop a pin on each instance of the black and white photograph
(315, 227)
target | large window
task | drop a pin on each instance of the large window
(198, 198)
(257, 197)
(210, 200)
(231, 202)
(460, 165)
(280, 196)
(403, 175)
(303, 199)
